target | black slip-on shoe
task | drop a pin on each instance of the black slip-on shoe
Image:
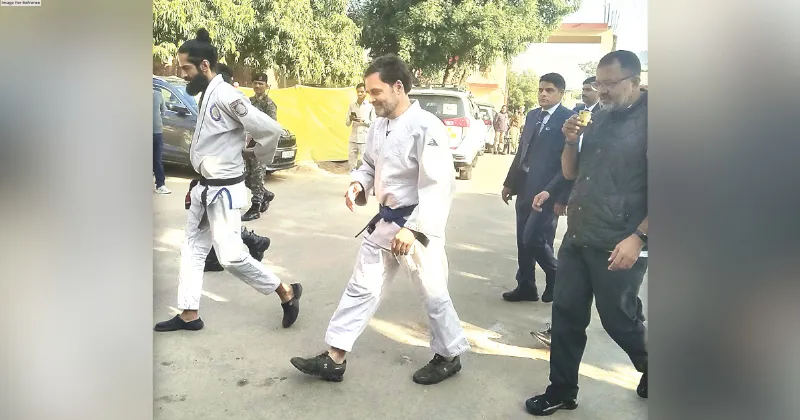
(176, 324)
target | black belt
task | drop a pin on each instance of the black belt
(220, 182)
(216, 182)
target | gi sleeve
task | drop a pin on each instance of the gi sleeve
(436, 183)
(266, 132)
(365, 174)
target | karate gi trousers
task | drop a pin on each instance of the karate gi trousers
(218, 225)
(374, 270)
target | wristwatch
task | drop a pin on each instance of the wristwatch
(641, 235)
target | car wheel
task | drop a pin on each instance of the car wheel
(474, 162)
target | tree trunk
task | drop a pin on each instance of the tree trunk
(464, 76)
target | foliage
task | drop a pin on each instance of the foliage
(456, 36)
(523, 89)
(589, 68)
(312, 41)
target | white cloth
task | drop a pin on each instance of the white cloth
(411, 164)
(374, 270)
(218, 140)
(407, 162)
(220, 227)
(366, 112)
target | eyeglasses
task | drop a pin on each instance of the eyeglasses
(606, 86)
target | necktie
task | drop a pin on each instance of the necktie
(538, 127)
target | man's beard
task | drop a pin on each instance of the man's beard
(383, 110)
(198, 84)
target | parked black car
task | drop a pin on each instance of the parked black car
(180, 120)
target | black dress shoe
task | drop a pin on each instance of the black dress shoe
(252, 213)
(545, 405)
(641, 390)
(547, 296)
(291, 309)
(518, 295)
(543, 336)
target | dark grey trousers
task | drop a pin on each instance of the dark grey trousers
(583, 275)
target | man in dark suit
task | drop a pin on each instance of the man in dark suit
(536, 172)
(589, 96)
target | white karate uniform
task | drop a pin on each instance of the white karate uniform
(411, 165)
(216, 153)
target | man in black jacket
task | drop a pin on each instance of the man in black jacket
(603, 255)
(537, 168)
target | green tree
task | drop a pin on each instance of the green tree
(313, 41)
(590, 68)
(175, 21)
(456, 37)
(523, 89)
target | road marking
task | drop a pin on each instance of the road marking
(472, 276)
(212, 296)
(481, 342)
(175, 311)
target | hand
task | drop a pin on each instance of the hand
(358, 120)
(572, 128)
(402, 242)
(539, 200)
(626, 253)
(350, 196)
(560, 209)
(506, 195)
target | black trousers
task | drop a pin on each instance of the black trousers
(535, 234)
(582, 275)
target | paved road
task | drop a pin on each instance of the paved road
(238, 366)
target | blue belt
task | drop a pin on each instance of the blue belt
(390, 215)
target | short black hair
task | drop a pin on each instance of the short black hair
(590, 80)
(391, 69)
(360, 85)
(627, 60)
(200, 49)
(556, 79)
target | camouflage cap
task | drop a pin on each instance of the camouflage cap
(261, 77)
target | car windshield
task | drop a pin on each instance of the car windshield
(444, 107)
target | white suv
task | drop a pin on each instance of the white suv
(463, 119)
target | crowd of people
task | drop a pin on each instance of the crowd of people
(589, 163)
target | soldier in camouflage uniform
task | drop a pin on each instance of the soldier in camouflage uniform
(256, 170)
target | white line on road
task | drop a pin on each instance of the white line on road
(175, 311)
(216, 298)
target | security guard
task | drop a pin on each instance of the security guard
(256, 170)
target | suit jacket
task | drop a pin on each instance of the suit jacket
(579, 108)
(545, 172)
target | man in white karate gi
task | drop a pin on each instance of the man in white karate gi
(213, 216)
(408, 163)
